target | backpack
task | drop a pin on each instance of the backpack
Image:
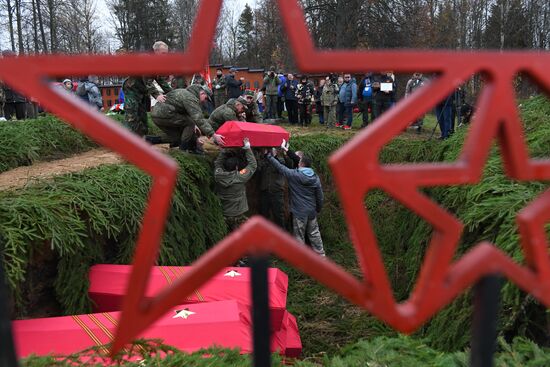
(367, 91)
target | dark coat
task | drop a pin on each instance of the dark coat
(233, 87)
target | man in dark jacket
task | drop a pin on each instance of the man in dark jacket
(272, 188)
(231, 182)
(364, 96)
(383, 92)
(14, 103)
(180, 117)
(289, 92)
(304, 95)
(306, 200)
(233, 86)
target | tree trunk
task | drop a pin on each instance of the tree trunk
(53, 26)
(35, 27)
(41, 24)
(19, 29)
(10, 24)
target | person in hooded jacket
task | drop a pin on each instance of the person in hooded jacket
(306, 200)
(89, 91)
(181, 118)
(231, 179)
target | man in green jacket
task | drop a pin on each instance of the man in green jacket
(230, 111)
(231, 179)
(329, 101)
(180, 118)
(219, 89)
(271, 83)
(251, 107)
(136, 95)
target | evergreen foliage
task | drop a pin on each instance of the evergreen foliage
(93, 216)
(25, 142)
(380, 352)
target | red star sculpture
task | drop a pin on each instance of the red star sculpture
(356, 171)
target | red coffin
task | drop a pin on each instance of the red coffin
(189, 328)
(108, 287)
(289, 336)
(260, 135)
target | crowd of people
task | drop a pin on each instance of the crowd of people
(187, 115)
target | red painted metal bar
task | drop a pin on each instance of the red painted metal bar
(355, 166)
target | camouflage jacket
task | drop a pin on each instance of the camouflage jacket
(218, 86)
(183, 103)
(231, 186)
(145, 85)
(329, 95)
(252, 111)
(226, 112)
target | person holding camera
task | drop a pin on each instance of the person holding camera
(271, 83)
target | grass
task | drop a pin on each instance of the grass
(379, 352)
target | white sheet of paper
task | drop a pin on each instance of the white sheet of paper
(386, 87)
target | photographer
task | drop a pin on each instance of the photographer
(271, 83)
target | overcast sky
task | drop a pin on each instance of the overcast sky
(104, 15)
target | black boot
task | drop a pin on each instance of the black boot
(153, 139)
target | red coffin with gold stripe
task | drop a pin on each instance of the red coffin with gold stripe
(108, 287)
(189, 328)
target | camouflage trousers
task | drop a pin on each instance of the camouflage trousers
(235, 222)
(179, 130)
(135, 111)
(330, 115)
(219, 99)
(309, 227)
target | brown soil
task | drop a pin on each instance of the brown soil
(28, 175)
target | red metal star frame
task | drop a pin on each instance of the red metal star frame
(356, 170)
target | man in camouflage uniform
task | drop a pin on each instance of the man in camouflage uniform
(230, 111)
(231, 178)
(251, 107)
(136, 95)
(180, 117)
(218, 87)
(329, 101)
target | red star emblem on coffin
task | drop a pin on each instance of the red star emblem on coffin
(356, 170)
